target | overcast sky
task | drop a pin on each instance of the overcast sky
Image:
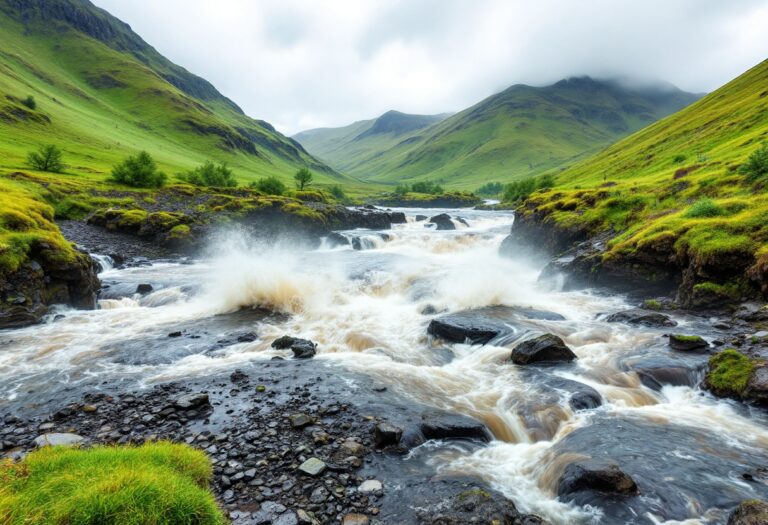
(302, 64)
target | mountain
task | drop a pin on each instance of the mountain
(101, 93)
(680, 203)
(517, 133)
(350, 148)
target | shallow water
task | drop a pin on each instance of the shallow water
(686, 449)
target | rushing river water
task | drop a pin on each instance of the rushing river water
(686, 449)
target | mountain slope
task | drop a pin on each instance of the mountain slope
(674, 198)
(102, 92)
(522, 131)
(350, 148)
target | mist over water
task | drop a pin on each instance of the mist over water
(364, 309)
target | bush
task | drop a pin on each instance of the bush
(490, 189)
(677, 159)
(303, 178)
(269, 185)
(704, 208)
(30, 102)
(47, 158)
(519, 190)
(429, 187)
(138, 171)
(154, 484)
(756, 166)
(401, 190)
(338, 193)
(210, 174)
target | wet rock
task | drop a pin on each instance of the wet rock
(595, 475)
(313, 466)
(385, 434)
(55, 439)
(397, 217)
(301, 348)
(475, 505)
(247, 337)
(144, 288)
(300, 420)
(687, 343)
(542, 349)
(586, 399)
(352, 448)
(335, 239)
(174, 334)
(448, 426)
(371, 485)
(443, 222)
(355, 519)
(188, 401)
(656, 372)
(750, 512)
(420, 218)
(642, 317)
(481, 325)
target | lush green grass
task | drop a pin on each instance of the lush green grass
(729, 372)
(676, 186)
(512, 135)
(154, 484)
(99, 103)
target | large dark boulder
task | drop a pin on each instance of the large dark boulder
(444, 426)
(443, 222)
(481, 325)
(687, 343)
(335, 239)
(655, 373)
(301, 348)
(598, 476)
(642, 317)
(750, 512)
(542, 349)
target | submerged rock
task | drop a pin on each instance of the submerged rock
(301, 348)
(641, 317)
(144, 288)
(545, 348)
(687, 343)
(595, 475)
(336, 239)
(443, 222)
(481, 325)
(749, 512)
(444, 426)
(655, 373)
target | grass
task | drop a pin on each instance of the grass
(729, 373)
(154, 484)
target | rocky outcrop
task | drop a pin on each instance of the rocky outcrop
(641, 317)
(733, 374)
(49, 276)
(750, 512)
(547, 348)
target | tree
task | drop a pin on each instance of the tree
(46, 158)
(210, 174)
(30, 102)
(338, 193)
(139, 171)
(303, 178)
(490, 189)
(756, 166)
(401, 190)
(269, 185)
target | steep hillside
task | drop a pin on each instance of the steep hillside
(101, 92)
(521, 132)
(350, 148)
(675, 201)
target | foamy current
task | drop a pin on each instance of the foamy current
(364, 309)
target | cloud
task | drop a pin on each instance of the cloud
(300, 64)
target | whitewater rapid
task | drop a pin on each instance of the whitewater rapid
(364, 309)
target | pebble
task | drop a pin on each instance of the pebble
(312, 466)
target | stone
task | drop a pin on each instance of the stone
(749, 512)
(300, 420)
(313, 466)
(642, 317)
(144, 288)
(174, 334)
(335, 239)
(385, 434)
(443, 222)
(301, 348)
(595, 475)
(371, 485)
(687, 343)
(542, 349)
(192, 401)
(355, 519)
(352, 448)
(287, 518)
(247, 337)
(56, 439)
(90, 408)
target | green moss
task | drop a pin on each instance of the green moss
(155, 484)
(728, 290)
(687, 338)
(652, 304)
(473, 493)
(729, 373)
(179, 232)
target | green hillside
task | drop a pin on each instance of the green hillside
(677, 193)
(349, 149)
(101, 93)
(518, 133)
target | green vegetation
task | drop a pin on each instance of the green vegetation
(154, 484)
(703, 208)
(729, 373)
(211, 174)
(652, 304)
(516, 134)
(46, 158)
(425, 187)
(519, 190)
(30, 102)
(756, 167)
(139, 171)
(303, 178)
(270, 186)
(338, 193)
(490, 189)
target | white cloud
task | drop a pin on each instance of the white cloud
(308, 63)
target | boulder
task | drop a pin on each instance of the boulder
(595, 475)
(144, 288)
(749, 512)
(301, 348)
(385, 434)
(397, 217)
(474, 504)
(542, 349)
(655, 374)
(443, 222)
(444, 426)
(420, 218)
(642, 317)
(687, 343)
(55, 439)
(335, 239)
(188, 401)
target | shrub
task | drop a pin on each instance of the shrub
(154, 484)
(428, 186)
(489, 189)
(139, 171)
(30, 102)
(519, 190)
(401, 190)
(704, 208)
(210, 174)
(269, 185)
(677, 159)
(338, 193)
(756, 166)
(303, 178)
(46, 158)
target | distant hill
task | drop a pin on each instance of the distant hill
(101, 92)
(517, 133)
(350, 148)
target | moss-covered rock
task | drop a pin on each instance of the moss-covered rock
(733, 374)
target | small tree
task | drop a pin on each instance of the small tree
(269, 185)
(303, 178)
(139, 171)
(756, 166)
(210, 174)
(30, 102)
(46, 158)
(338, 193)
